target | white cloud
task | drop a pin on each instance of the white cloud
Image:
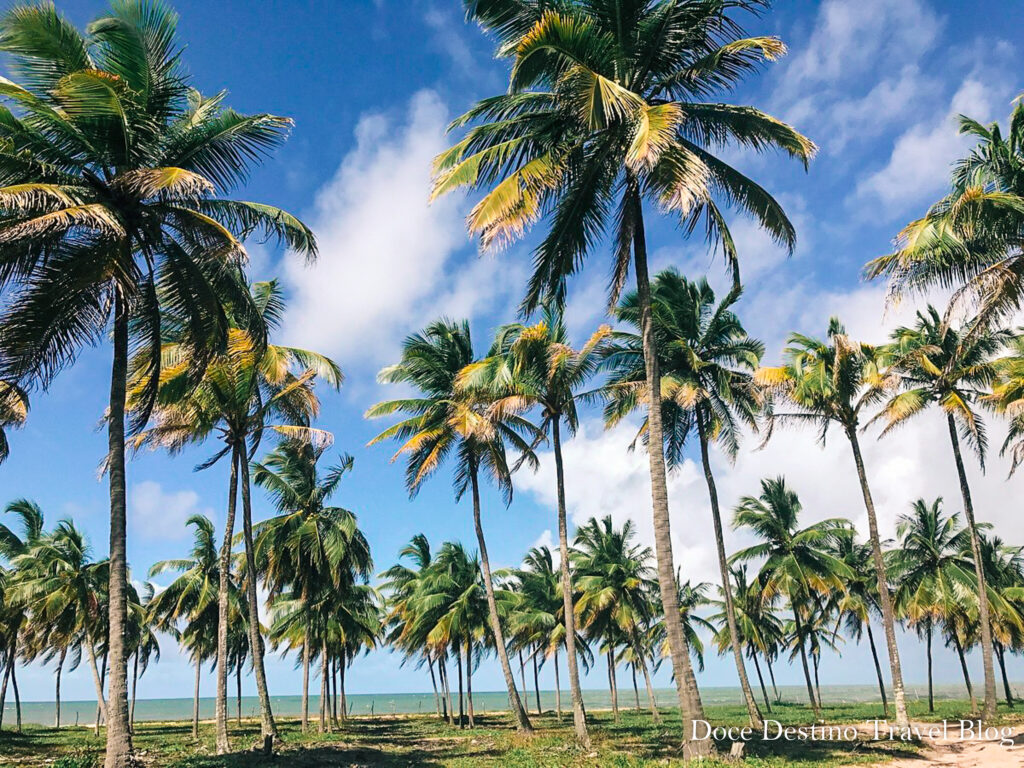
(389, 260)
(158, 515)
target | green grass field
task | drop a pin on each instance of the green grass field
(393, 741)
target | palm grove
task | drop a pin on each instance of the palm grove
(116, 228)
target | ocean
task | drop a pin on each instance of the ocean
(84, 712)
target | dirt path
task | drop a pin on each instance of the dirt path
(956, 753)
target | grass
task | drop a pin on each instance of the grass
(390, 741)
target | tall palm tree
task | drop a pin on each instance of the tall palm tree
(973, 238)
(799, 561)
(187, 608)
(940, 365)
(110, 168)
(247, 391)
(610, 106)
(707, 362)
(13, 412)
(615, 580)
(536, 365)
(834, 382)
(310, 547)
(445, 418)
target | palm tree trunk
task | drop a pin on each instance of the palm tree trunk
(135, 689)
(195, 700)
(558, 690)
(760, 679)
(119, 738)
(8, 661)
(522, 721)
(817, 681)
(238, 691)
(579, 717)
(928, 651)
(723, 566)
(101, 712)
(60, 668)
(433, 684)
(963, 668)
(268, 728)
(878, 669)
(458, 664)
(17, 698)
(449, 710)
(323, 687)
(536, 683)
(522, 674)
(90, 651)
(334, 694)
(651, 700)
(305, 671)
(636, 689)
(989, 708)
(771, 675)
(612, 684)
(341, 679)
(224, 581)
(803, 658)
(690, 705)
(469, 682)
(888, 619)
(1001, 656)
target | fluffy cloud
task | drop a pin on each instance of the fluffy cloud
(159, 515)
(390, 260)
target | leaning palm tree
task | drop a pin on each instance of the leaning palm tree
(973, 238)
(938, 364)
(249, 390)
(311, 546)
(110, 171)
(610, 107)
(536, 365)
(13, 411)
(799, 563)
(444, 419)
(707, 362)
(835, 382)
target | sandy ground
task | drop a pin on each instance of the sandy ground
(953, 752)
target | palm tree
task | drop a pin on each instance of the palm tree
(691, 598)
(1004, 575)
(109, 168)
(615, 580)
(535, 365)
(446, 418)
(143, 641)
(310, 547)
(13, 411)
(187, 608)
(250, 389)
(835, 381)
(973, 238)
(1007, 399)
(608, 106)
(799, 562)
(706, 361)
(938, 364)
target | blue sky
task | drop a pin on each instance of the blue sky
(371, 85)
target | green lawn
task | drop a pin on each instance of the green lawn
(392, 741)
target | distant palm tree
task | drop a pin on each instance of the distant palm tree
(310, 547)
(938, 364)
(836, 381)
(799, 562)
(143, 642)
(691, 598)
(1004, 575)
(250, 389)
(616, 583)
(187, 607)
(13, 411)
(535, 365)
(109, 169)
(707, 362)
(1007, 399)
(973, 238)
(444, 418)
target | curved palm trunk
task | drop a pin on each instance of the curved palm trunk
(690, 705)
(963, 668)
(17, 699)
(449, 711)
(888, 619)
(723, 566)
(268, 728)
(221, 717)
(60, 669)
(803, 658)
(90, 651)
(817, 682)
(760, 679)
(101, 713)
(613, 686)
(651, 700)
(119, 737)
(195, 700)
(989, 707)
(433, 684)
(469, 683)
(878, 669)
(135, 690)
(536, 683)
(558, 690)
(928, 651)
(771, 676)
(1001, 656)
(515, 704)
(7, 661)
(636, 689)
